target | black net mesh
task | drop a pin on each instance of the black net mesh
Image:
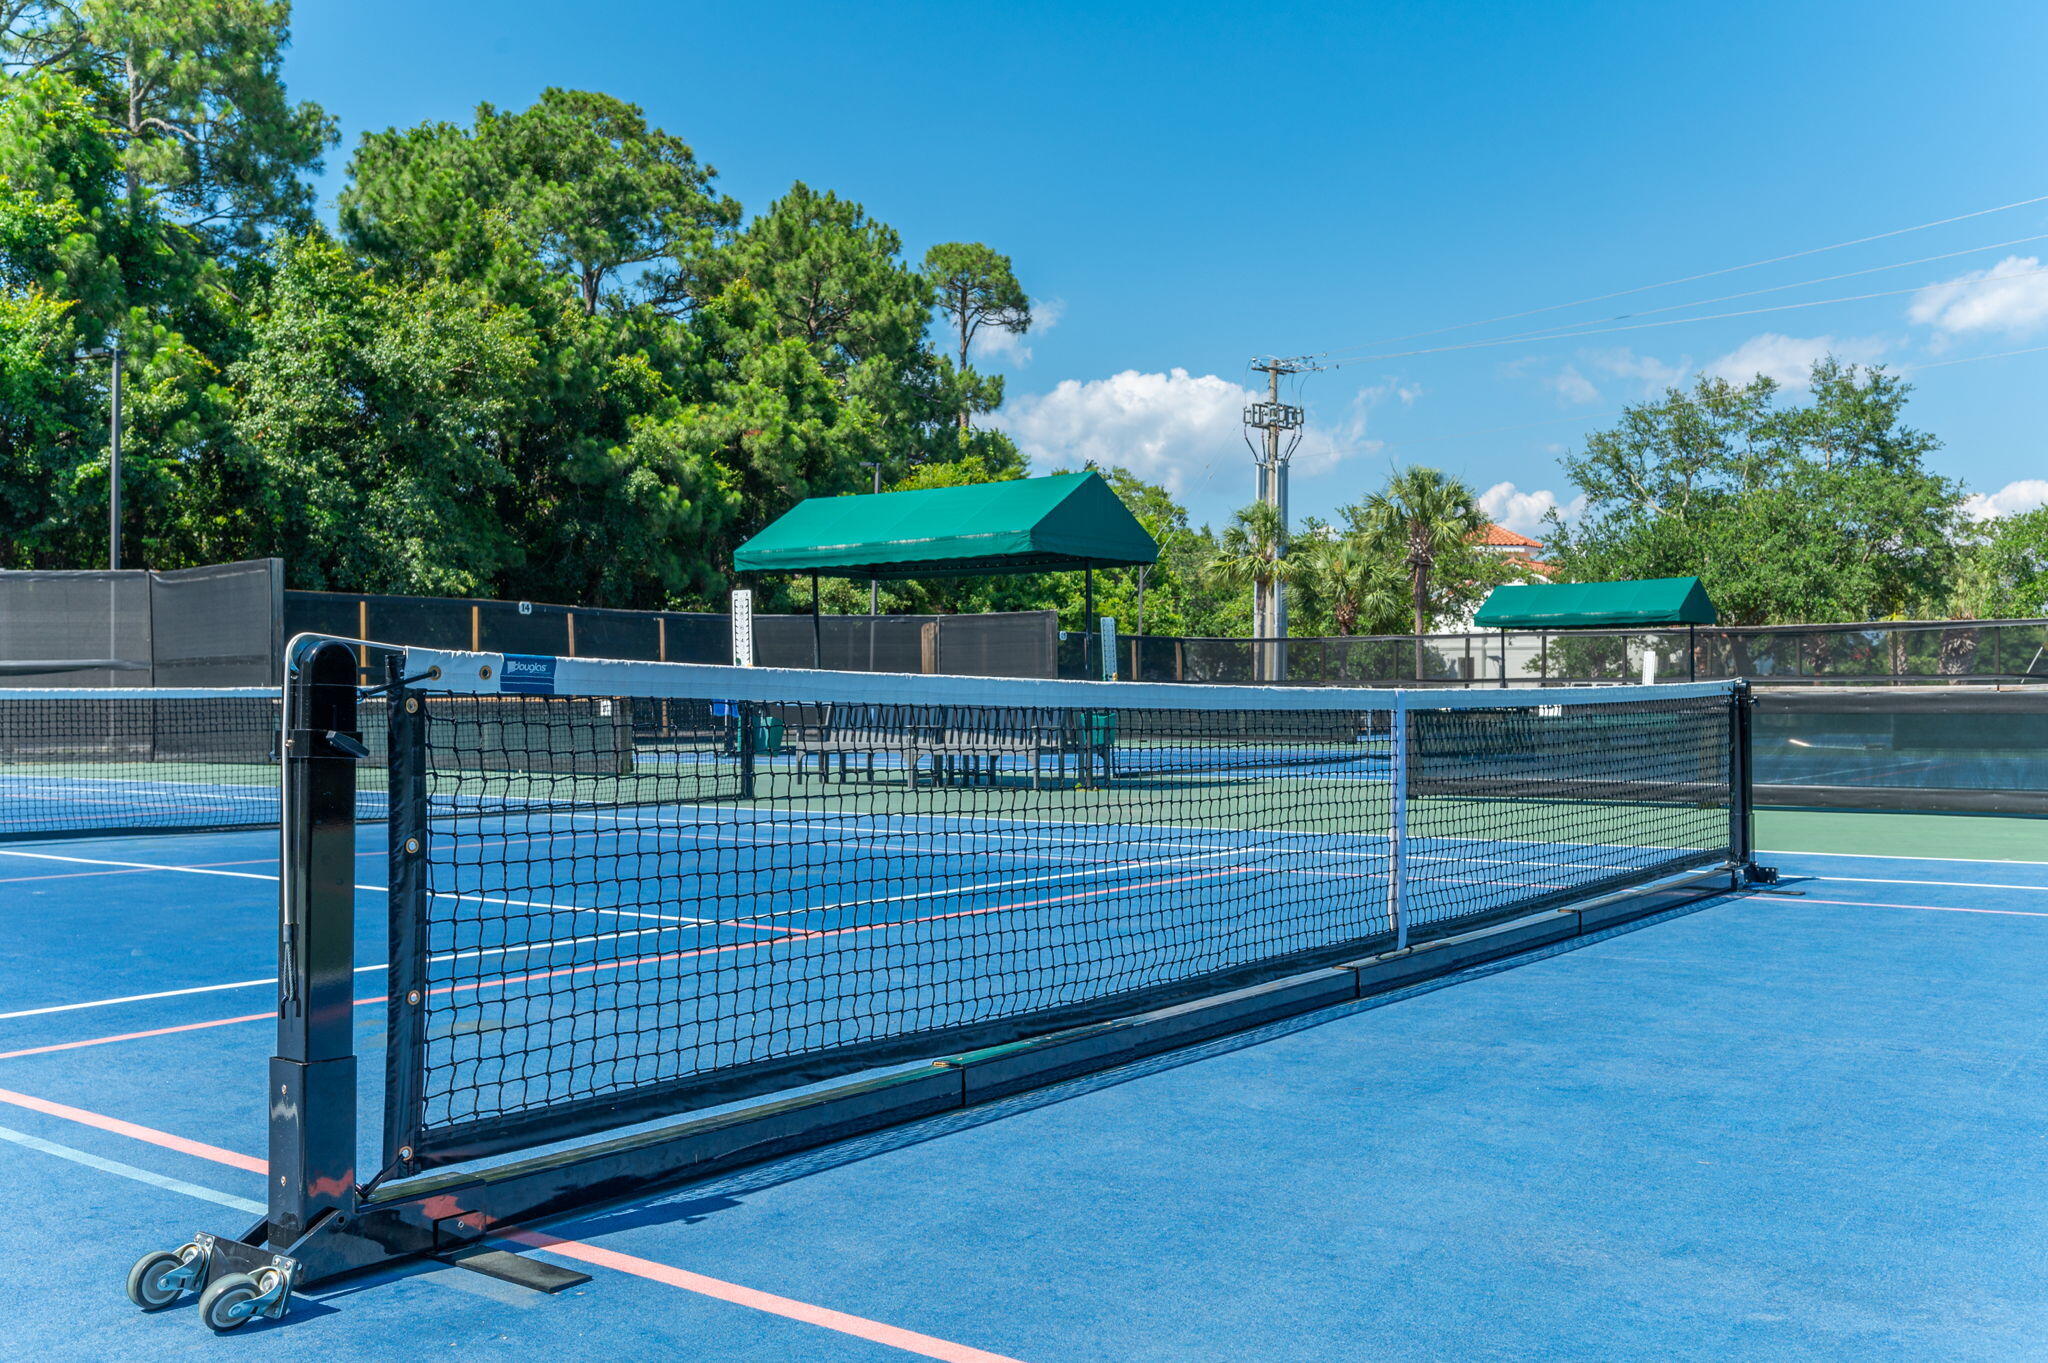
(625, 906)
(137, 760)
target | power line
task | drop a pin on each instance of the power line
(1971, 359)
(1647, 326)
(1683, 279)
(1780, 288)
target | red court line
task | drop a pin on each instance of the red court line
(140, 1133)
(1935, 908)
(824, 1317)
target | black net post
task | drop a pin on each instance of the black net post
(1741, 791)
(313, 1074)
(405, 1051)
(747, 714)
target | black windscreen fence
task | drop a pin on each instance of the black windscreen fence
(1008, 644)
(216, 626)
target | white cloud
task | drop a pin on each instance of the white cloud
(1654, 374)
(2010, 500)
(2011, 296)
(1578, 382)
(1572, 386)
(993, 343)
(1523, 512)
(1174, 428)
(1789, 359)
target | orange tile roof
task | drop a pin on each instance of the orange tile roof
(1500, 537)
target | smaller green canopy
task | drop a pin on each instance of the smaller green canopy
(1591, 605)
(1069, 520)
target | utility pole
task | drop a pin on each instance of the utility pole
(1273, 417)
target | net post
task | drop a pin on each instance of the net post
(312, 1096)
(405, 977)
(1397, 846)
(1741, 789)
(748, 716)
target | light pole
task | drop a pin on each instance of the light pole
(112, 353)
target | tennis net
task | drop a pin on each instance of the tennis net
(622, 890)
(104, 760)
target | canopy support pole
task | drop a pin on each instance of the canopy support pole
(1692, 653)
(1087, 621)
(1503, 660)
(817, 626)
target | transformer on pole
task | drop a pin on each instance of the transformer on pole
(1273, 417)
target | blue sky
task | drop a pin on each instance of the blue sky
(1184, 187)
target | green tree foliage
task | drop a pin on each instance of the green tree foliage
(1419, 519)
(1817, 512)
(545, 356)
(579, 181)
(1251, 555)
(975, 287)
(81, 262)
(2004, 570)
(1345, 586)
(368, 413)
(193, 91)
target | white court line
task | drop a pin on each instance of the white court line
(70, 875)
(950, 891)
(845, 820)
(721, 834)
(471, 953)
(700, 833)
(108, 1166)
(1894, 856)
(142, 866)
(1939, 884)
(462, 896)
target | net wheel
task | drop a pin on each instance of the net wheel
(156, 1280)
(229, 1303)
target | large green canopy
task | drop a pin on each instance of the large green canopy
(1590, 605)
(1069, 520)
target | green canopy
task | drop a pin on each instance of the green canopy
(1069, 520)
(1592, 605)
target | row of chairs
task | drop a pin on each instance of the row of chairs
(963, 744)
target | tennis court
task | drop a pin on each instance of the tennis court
(1793, 1121)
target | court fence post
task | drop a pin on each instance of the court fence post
(312, 1100)
(1397, 848)
(406, 976)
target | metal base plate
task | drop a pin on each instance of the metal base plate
(517, 1268)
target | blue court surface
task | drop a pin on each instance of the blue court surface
(1810, 1125)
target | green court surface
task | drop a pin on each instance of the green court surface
(1959, 837)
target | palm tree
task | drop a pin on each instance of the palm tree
(1354, 581)
(1251, 551)
(1418, 517)
(1251, 548)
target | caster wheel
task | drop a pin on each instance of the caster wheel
(159, 1279)
(229, 1303)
